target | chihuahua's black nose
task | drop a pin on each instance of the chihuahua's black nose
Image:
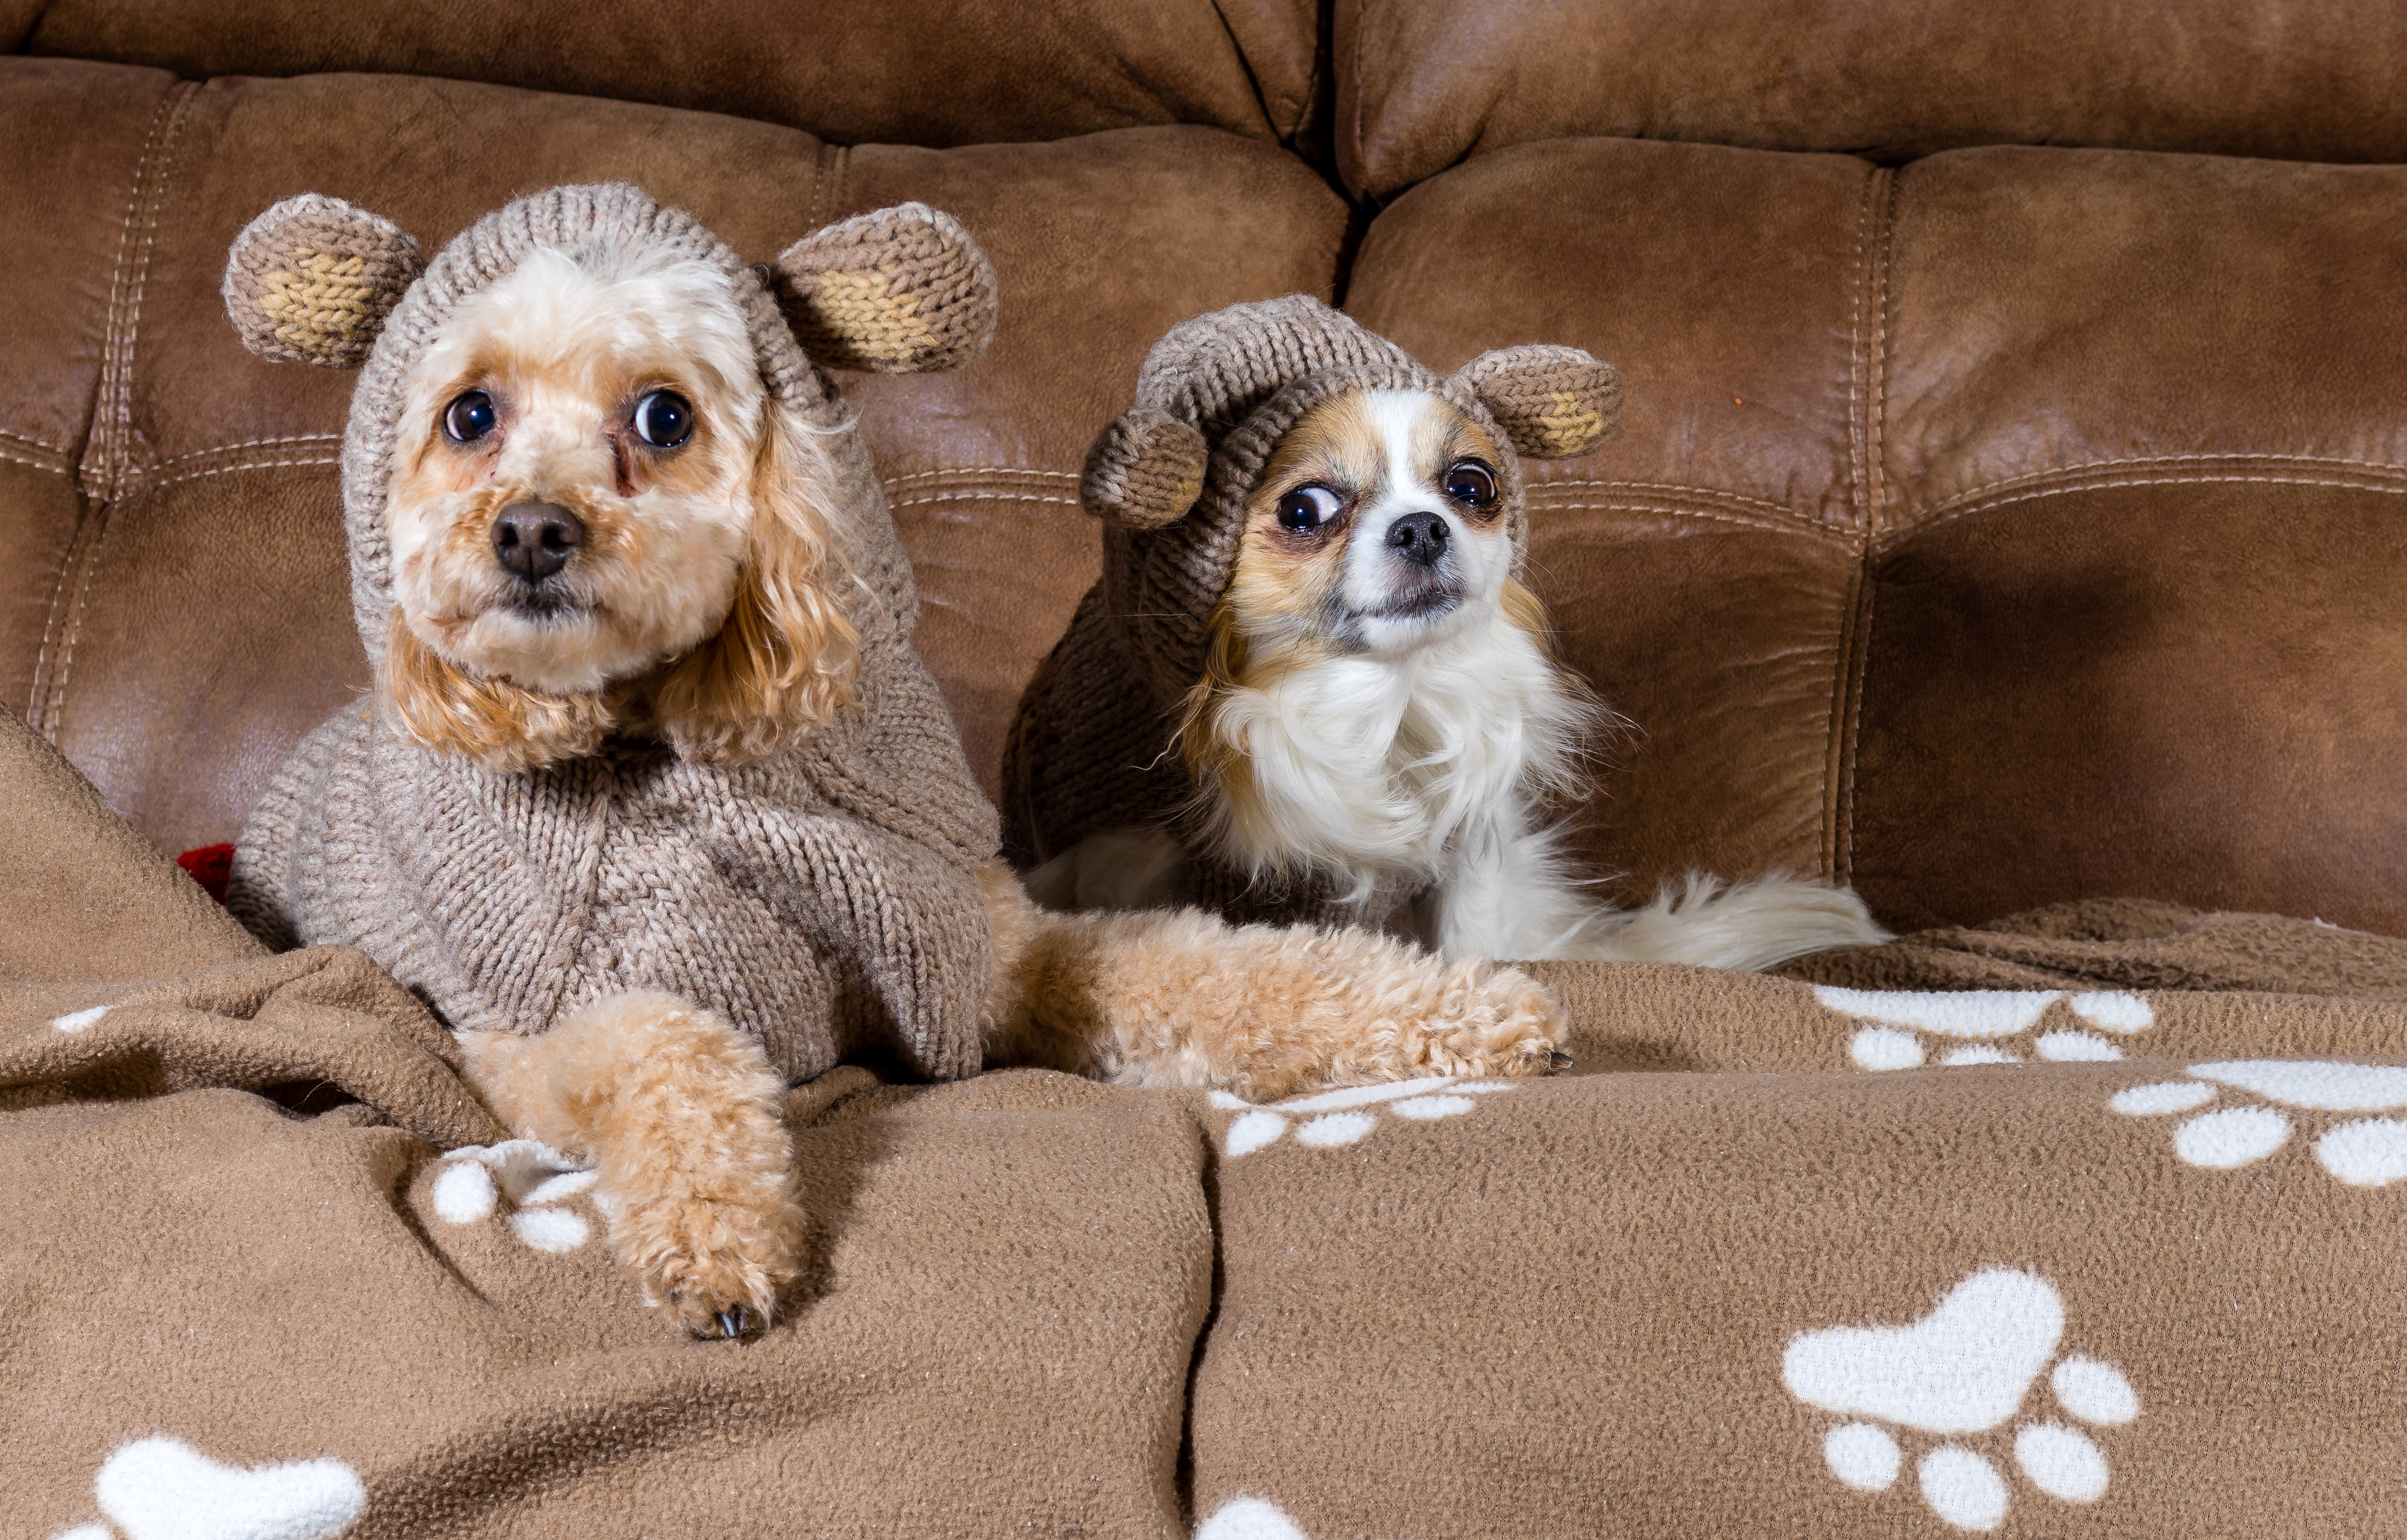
(1418, 538)
(535, 539)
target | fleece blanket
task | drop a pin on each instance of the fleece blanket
(2086, 1223)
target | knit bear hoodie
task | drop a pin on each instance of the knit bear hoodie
(825, 901)
(1093, 747)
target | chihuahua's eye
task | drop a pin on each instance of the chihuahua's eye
(1469, 483)
(469, 417)
(664, 419)
(1307, 508)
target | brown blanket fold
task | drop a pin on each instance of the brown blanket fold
(321, 1328)
(1988, 1231)
(92, 899)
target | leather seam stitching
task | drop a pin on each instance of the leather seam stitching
(2368, 484)
(51, 466)
(980, 471)
(55, 709)
(247, 444)
(146, 484)
(2075, 471)
(1843, 855)
(114, 457)
(30, 442)
(1791, 525)
(985, 497)
(1855, 348)
(1857, 657)
(98, 445)
(1604, 485)
(1876, 360)
(36, 703)
(1826, 825)
(119, 457)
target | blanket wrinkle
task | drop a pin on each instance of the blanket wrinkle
(1977, 1232)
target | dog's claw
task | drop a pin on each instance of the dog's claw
(731, 1323)
(1559, 1060)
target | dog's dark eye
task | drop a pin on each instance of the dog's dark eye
(1469, 483)
(663, 419)
(1307, 508)
(469, 417)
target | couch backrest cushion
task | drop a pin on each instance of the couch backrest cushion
(1422, 83)
(939, 72)
(2016, 526)
(176, 614)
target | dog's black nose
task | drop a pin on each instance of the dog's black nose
(535, 539)
(1418, 538)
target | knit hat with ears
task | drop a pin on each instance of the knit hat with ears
(1169, 478)
(316, 280)
(824, 899)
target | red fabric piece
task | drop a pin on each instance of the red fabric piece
(209, 866)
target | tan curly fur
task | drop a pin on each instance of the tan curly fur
(1182, 997)
(679, 1114)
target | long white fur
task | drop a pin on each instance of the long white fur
(1428, 752)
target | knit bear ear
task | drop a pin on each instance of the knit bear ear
(903, 290)
(1146, 470)
(312, 280)
(1553, 402)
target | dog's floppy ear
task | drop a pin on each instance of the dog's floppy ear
(785, 658)
(312, 280)
(1146, 470)
(902, 291)
(1553, 402)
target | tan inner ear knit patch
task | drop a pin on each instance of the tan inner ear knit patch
(859, 316)
(1567, 424)
(323, 303)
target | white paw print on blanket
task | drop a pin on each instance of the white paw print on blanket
(1248, 1519)
(1966, 1368)
(1985, 1025)
(163, 1489)
(1334, 1118)
(533, 1176)
(2360, 1152)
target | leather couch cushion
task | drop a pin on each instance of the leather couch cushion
(940, 71)
(2012, 526)
(177, 628)
(1422, 83)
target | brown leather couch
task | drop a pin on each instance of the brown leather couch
(2008, 510)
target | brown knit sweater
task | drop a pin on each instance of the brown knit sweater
(826, 900)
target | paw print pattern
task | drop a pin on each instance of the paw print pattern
(1248, 1519)
(1985, 1025)
(1964, 1369)
(1334, 1118)
(2233, 1133)
(163, 1489)
(534, 1177)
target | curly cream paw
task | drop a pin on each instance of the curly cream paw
(717, 1267)
(1491, 1020)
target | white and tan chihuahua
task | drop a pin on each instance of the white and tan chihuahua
(1378, 711)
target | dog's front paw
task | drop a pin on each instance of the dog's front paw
(717, 1265)
(1490, 1021)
